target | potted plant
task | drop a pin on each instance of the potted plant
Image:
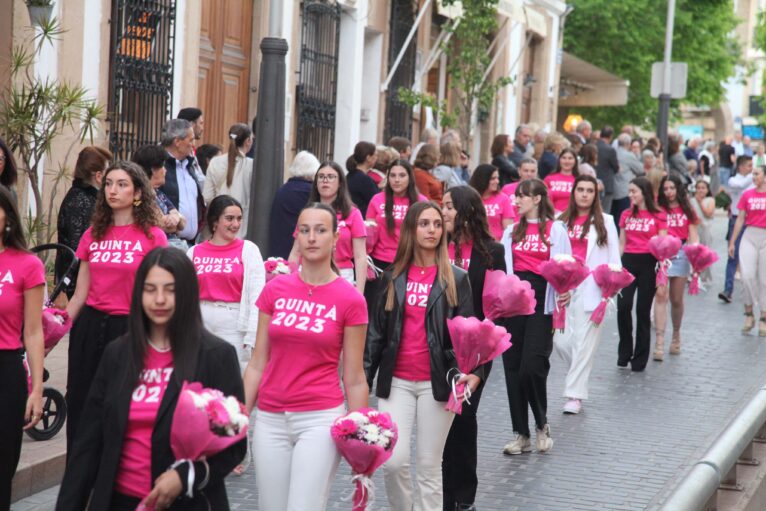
(39, 11)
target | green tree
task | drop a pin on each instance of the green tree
(759, 41)
(625, 37)
(469, 60)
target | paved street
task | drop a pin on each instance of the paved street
(638, 432)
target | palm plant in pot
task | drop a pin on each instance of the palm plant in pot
(39, 11)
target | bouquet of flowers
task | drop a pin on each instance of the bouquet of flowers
(610, 278)
(506, 296)
(664, 248)
(475, 343)
(701, 258)
(56, 324)
(564, 273)
(205, 423)
(366, 439)
(276, 266)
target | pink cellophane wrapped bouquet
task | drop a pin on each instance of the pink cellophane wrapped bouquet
(205, 423)
(475, 343)
(366, 439)
(610, 278)
(701, 258)
(564, 273)
(372, 234)
(506, 296)
(56, 324)
(664, 248)
(276, 266)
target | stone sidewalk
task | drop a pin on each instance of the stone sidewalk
(638, 433)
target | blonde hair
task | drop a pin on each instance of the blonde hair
(449, 154)
(405, 254)
(555, 142)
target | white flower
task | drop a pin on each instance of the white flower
(199, 401)
(563, 257)
(371, 429)
(615, 267)
(383, 442)
(358, 418)
(370, 223)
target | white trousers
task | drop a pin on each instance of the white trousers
(412, 403)
(348, 274)
(752, 264)
(295, 459)
(577, 347)
(220, 318)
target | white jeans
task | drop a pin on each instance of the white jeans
(577, 347)
(221, 319)
(295, 459)
(413, 402)
(752, 263)
(348, 274)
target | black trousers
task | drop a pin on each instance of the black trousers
(90, 334)
(527, 362)
(643, 268)
(13, 402)
(460, 457)
(122, 502)
(374, 288)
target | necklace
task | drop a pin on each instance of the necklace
(314, 286)
(161, 350)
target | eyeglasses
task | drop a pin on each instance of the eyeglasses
(327, 177)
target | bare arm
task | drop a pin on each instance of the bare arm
(257, 364)
(708, 207)
(294, 256)
(622, 241)
(34, 345)
(360, 262)
(75, 305)
(738, 225)
(354, 380)
(693, 234)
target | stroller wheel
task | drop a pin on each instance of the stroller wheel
(54, 415)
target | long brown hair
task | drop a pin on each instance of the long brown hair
(13, 234)
(342, 202)
(595, 215)
(681, 197)
(238, 134)
(470, 223)
(146, 215)
(405, 254)
(411, 193)
(531, 188)
(568, 150)
(647, 191)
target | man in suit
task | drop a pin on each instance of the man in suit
(608, 166)
(630, 168)
(184, 179)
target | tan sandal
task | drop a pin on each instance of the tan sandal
(659, 347)
(675, 344)
(749, 322)
(762, 327)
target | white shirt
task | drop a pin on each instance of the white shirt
(187, 200)
(215, 184)
(738, 184)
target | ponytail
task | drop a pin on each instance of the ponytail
(238, 134)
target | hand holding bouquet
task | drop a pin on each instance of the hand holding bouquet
(366, 439)
(506, 296)
(664, 248)
(56, 324)
(372, 234)
(564, 273)
(701, 258)
(276, 266)
(610, 278)
(475, 343)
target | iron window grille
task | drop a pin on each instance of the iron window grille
(398, 114)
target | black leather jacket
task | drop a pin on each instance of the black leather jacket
(385, 329)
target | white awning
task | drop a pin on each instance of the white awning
(584, 84)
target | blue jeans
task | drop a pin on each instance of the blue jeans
(731, 262)
(724, 173)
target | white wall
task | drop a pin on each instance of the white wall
(511, 91)
(371, 79)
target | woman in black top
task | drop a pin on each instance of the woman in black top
(164, 325)
(474, 249)
(361, 186)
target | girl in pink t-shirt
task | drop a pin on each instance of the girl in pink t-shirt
(123, 456)
(527, 170)
(124, 230)
(638, 224)
(350, 251)
(594, 239)
(408, 348)
(309, 321)
(682, 223)
(535, 238)
(22, 278)
(560, 183)
(752, 213)
(498, 207)
(231, 276)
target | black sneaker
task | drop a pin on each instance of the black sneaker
(724, 297)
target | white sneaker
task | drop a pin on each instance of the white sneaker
(519, 445)
(573, 406)
(544, 440)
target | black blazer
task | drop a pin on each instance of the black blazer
(95, 457)
(170, 188)
(385, 330)
(477, 271)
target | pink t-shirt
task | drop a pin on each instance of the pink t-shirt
(466, 248)
(220, 271)
(498, 208)
(113, 262)
(305, 342)
(753, 203)
(559, 189)
(579, 244)
(678, 223)
(19, 271)
(532, 250)
(640, 229)
(510, 188)
(385, 248)
(413, 361)
(348, 228)
(134, 475)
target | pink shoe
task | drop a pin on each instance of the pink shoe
(573, 406)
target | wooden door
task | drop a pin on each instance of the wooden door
(224, 67)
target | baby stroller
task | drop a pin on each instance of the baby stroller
(56, 324)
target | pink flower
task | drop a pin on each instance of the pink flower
(344, 427)
(219, 416)
(381, 419)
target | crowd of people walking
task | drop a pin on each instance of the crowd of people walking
(388, 247)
